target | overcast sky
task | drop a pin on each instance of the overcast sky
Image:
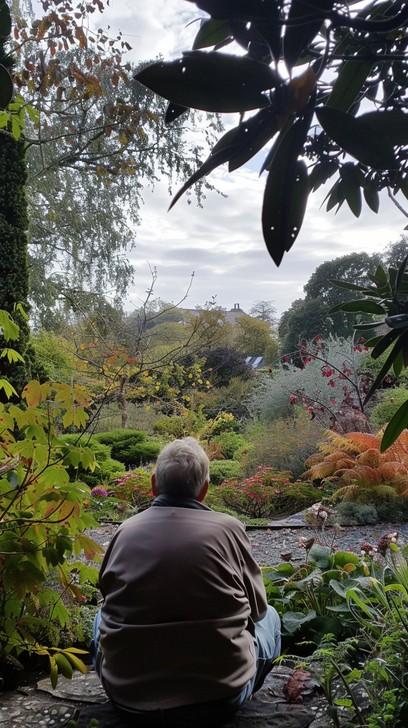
(222, 243)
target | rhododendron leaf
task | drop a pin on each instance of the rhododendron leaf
(396, 425)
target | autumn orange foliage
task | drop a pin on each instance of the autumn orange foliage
(356, 463)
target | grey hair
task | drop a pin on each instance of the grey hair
(182, 468)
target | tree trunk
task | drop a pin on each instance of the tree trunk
(13, 252)
(123, 404)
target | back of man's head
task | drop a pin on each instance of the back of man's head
(182, 468)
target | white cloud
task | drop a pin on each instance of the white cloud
(223, 242)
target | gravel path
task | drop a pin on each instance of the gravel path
(268, 545)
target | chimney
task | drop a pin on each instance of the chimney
(236, 307)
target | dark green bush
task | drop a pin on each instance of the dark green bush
(356, 514)
(133, 453)
(221, 470)
(130, 447)
(114, 436)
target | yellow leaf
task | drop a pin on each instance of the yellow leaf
(33, 393)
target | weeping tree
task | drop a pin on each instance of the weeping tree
(13, 221)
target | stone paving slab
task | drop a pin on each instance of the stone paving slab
(81, 701)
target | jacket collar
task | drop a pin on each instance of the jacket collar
(172, 502)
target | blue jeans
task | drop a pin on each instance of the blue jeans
(267, 641)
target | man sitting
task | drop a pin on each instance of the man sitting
(185, 625)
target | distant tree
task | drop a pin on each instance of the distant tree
(223, 363)
(265, 311)
(304, 320)
(311, 316)
(396, 252)
(94, 141)
(252, 336)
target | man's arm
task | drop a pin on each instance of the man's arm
(252, 575)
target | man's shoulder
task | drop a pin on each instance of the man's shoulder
(209, 516)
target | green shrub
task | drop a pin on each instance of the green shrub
(387, 510)
(282, 444)
(135, 453)
(356, 514)
(176, 426)
(110, 438)
(391, 400)
(231, 444)
(221, 470)
(130, 447)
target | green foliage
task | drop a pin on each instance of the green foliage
(356, 514)
(231, 444)
(43, 517)
(118, 435)
(106, 467)
(130, 447)
(284, 444)
(390, 401)
(177, 426)
(13, 253)
(231, 398)
(52, 357)
(387, 297)
(222, 364)
(221, 470)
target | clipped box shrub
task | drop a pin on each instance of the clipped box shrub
(136, 453)
(221, 470)
(114, 436)
(267, 494)
(131, 447)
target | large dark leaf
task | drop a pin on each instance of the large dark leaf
(284, 205)
(371, 196)
(388, 127)
(298, 36)
(242, 9)
(354, 287)
(5, 20)
(237, 146)
(361, 143)
(363, 306)
(211, 33)
(396, 425)
(348, 84)
(384, 343)
(211, 81)
(270, 29)
(253, 134)
(399, 346)
(6, 87)
(351, 177)
(173, 112)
